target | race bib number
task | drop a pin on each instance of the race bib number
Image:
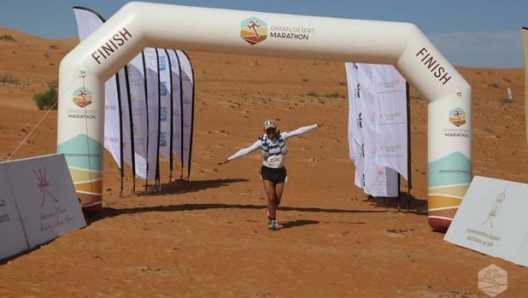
(275, 161)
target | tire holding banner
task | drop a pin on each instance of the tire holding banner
(449, 171)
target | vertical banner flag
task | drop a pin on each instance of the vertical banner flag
(371, 129)
(87, 22)
(177, 106)
(165, 104)
(138, 101)
(153, 107)
(391, 120)
(149, 106)
(187, 77)
(355, 125)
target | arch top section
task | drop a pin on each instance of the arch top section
(138, 25)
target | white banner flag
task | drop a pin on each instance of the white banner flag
(355, 135)
(138, 106)
(149, 109)
(380, 181)
(153, 106)
(87, 22)
(187, 77)
(391, 118)
(177, 120)
(364, 123)
(165, 104)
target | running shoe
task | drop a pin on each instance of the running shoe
(274, 226)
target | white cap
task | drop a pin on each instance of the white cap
(269, 124)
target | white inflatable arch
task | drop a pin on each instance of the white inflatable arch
(137, 25)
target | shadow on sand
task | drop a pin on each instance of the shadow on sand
(184, 186)
(405, 202)
(112, 212)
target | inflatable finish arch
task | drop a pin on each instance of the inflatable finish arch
(137, 25)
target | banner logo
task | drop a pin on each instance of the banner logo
(82, 97)
(457, 117)
(495, 209)
(44, 185)
(254, 30)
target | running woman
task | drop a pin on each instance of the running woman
(273, 173)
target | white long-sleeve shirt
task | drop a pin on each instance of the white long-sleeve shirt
(275, 160)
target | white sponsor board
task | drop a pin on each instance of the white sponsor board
(45, 197)
(12, 239)
(492, 220)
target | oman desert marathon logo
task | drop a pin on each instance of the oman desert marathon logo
(43, 184)
(254, 30)
(457, 117)
(82, 97)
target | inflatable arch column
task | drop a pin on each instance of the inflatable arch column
(138, 25)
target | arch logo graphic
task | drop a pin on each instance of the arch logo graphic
(254, 30)
(457, 117)
(82, 97)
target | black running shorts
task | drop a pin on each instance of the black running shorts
(273, 175)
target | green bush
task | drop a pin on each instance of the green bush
(47, 99)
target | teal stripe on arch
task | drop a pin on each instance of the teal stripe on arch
(452, 169)
(82, 152)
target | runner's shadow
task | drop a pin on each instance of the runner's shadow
(298, 223)
(107, 212)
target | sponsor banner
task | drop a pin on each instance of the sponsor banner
(491, 220)
(153, 107)
(375, 179)
(165, 116)
(391, 118)
(88, 22)
(12, 237)
(47, 203)
(187, 78)
(138, 106)
(355, 137)
(176, 94)
(126, 121)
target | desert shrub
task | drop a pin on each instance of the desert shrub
(493, 85)
(8, 79)
(333, 95)
(7, 37)
(47, 99)
(312, 93)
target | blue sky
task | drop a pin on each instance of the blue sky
(472, 33)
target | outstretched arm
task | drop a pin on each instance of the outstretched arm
(241, 153)
(301, 130)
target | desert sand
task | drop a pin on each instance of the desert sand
(208, 237)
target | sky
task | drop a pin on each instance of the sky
(471, 33)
